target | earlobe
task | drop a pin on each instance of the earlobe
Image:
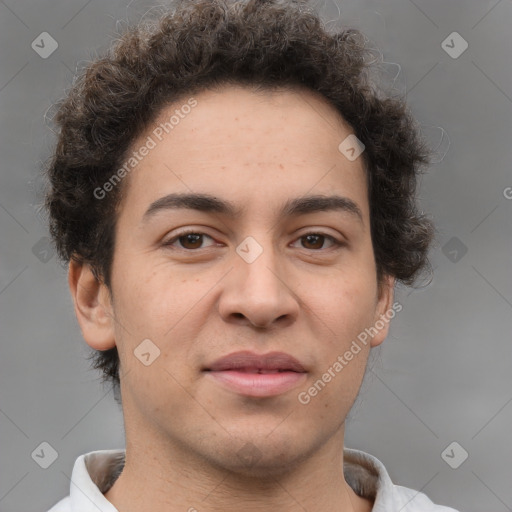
(384, 311)
(93, 306)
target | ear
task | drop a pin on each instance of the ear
(384, 310)
(93, 307)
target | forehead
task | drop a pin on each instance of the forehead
(236, 111)
(245, 145)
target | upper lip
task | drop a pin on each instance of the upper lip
(249, 360)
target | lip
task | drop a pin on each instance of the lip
(257, 375)
(246, 360)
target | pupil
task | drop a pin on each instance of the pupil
(317, 237)
(192, 238)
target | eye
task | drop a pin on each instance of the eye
(188, 240)
(316, 240)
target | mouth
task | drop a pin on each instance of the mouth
(250, 374)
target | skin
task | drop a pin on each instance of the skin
(199, 300)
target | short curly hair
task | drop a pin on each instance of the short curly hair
(194, 45)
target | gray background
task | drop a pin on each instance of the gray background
(443, 374)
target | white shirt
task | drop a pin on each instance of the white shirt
(95, 472)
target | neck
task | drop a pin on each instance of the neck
(162, 476)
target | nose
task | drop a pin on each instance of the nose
(259, 293)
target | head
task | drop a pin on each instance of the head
(244, 104)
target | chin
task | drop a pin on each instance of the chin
(251, 462)
(261, 456)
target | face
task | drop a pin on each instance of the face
(264, 268)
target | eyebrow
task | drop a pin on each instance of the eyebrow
(313, 204)
(200, 202)
(292, 207)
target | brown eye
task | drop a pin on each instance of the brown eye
(191, 240)
(313, 241)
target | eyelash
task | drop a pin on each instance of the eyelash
(335, 242)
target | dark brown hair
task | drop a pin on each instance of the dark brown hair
(198, 44)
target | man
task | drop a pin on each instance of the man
(236, 205)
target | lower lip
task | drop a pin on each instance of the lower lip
(258, 384)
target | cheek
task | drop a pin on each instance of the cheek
(157, 320)
(152, 300)
(345, 307)
(163, 306)
(342, 356)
